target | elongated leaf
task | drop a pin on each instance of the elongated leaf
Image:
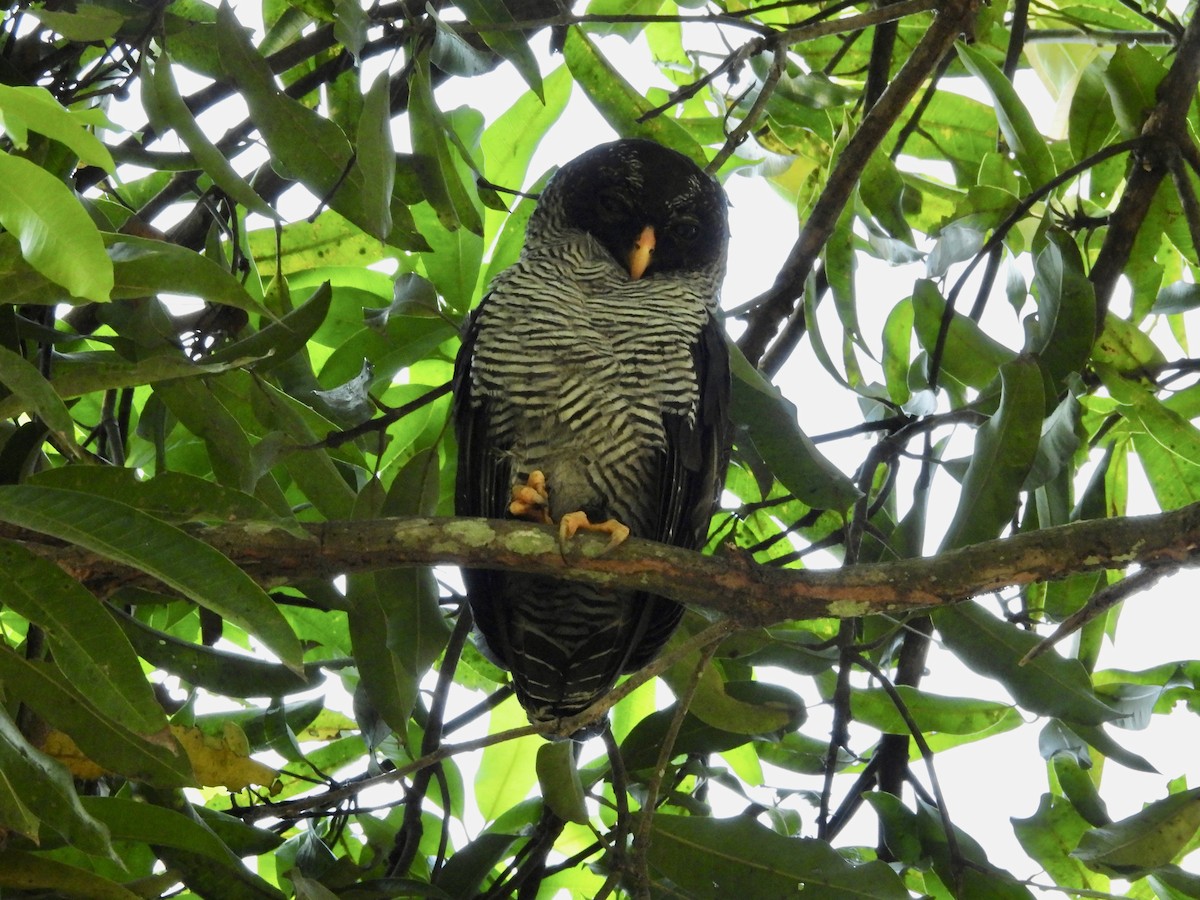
(37, 395)
(1048, 685)
(35, 109)
(88, 646)
(220, 671)
(132, 820)
(29, 872)
(129, 536)
(58, 238)
(1005, 449)
(507, 771)
(375, 156)
(144, 268)
(511, 45)
(1016, 123)
(1146, 840)
(1066, 310)
(741, 858)
(102, 371)
(793, 458)
(154, 759)
(559, 780)
(438, 173)
(619, 102)
(1049, 834)
(305, 145)
(932, 713)
(970, 355)
(167, 110)
(171, 496)
(36, 791)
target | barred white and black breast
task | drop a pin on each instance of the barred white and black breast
(614, 384)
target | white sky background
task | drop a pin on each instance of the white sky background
(986, 783)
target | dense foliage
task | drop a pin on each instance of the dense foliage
(229, 317)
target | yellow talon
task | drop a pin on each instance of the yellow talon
(618, 532)
(530, 500)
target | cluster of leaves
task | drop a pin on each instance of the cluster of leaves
(305, 382)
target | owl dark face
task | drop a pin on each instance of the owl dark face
(650, 207)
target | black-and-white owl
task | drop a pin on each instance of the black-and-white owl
(591, 391)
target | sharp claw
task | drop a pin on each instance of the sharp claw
(530, 500)
(618, 532)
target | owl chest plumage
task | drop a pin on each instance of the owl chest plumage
(580, 368)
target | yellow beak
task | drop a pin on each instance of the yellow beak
(639, 256)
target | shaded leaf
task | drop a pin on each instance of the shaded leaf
(739, 857)
(129, 536)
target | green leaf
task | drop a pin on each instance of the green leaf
(131, 537)
(932, 713)
(1048, 685)
(304, 144)
(36, 791)
(133, 820)
(101, 371)
(225, 673)
(168, 111)
(620, 103)
(559, 780)
(1132, 77)
(58, 237)
(35, 109)
(508, 770)
(26, 872)
(35, 394)
(511, 45)
(86, 643)
(1005, 449)
(143, 268)
(771, 419)
(1144, 841)
(1066, 320)
(969, 355)
(437, 171)
(1049, 835)
(152, 758)
(376, 157)
(741, 858)
(1017, 125)
(1126, 348)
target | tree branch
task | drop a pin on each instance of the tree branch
(750, 595)
(1163, 137)
(775, 305)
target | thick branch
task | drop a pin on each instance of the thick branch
(776, 304)
(731, 584)
(1163, 135)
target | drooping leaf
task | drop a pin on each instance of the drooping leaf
(1146, 840)
(1048, 685)
(1005, 449)
(771, 421)
(31, 108)
(1016, 123)
(153, 758)
(57, 236)
(129, 536)
(739, 857)
(167, 110)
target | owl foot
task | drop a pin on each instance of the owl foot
(530, 500)
(577, 521)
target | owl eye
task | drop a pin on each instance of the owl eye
(685, 231)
